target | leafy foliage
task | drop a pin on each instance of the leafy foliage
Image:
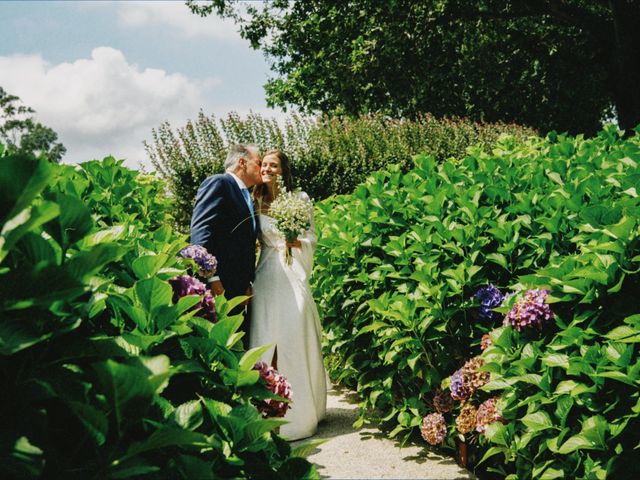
(103, 375)
(20, 132)
(551, 65)
(398, 264)
(329, 155)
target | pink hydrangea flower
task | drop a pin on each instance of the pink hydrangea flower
(530, 311)
(277, 384)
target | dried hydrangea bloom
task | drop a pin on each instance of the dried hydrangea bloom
(442, 402)
(277, 384)
(472, 374)
(184, 285)
(466, 420)
(485, 342)
(434, 428)
(490, 297)
(206, 262)
(487, 414)
(530, 311)
(465, 381)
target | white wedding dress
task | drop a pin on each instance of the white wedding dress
(284, 314)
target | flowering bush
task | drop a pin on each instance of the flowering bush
(184, 285)
(206, 262)
(490, 297)
(398, 261)
(103, 375)
(485, 342)
(330, 155)
(530, 311)
(434, 428)
(278, 385)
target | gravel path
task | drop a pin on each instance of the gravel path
(366, 453)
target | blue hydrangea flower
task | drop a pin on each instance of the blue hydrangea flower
(490, 297)
(458, 387)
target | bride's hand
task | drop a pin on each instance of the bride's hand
(295, 243)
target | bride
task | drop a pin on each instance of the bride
(283, 312)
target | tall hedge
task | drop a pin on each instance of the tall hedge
(399, 262)
(329, 155)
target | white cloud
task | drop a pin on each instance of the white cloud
(102, 105)
(177, 16)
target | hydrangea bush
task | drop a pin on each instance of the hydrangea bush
(110, 368)
(398, 266)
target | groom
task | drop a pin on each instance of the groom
(225, 223)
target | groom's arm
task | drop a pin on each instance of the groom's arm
(206, 217)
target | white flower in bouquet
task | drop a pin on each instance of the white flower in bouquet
(292, 215)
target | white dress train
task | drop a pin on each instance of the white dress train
(284, 314)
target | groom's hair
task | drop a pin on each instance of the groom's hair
(237, 151)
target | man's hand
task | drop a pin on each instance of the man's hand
(217, 288)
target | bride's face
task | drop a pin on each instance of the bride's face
(270, 168)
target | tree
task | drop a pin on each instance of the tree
(550, 64)
(20, 133)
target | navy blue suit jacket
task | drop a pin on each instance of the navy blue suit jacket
(221, 222)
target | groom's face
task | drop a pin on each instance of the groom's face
(253, 163)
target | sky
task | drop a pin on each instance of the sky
(103, 74)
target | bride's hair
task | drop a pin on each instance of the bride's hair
(260, 191)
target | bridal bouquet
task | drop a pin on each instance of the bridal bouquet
(292, 215)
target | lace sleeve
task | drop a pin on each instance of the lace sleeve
(309, 236)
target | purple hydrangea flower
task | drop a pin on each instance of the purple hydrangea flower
(277, 384)
(184, 285)
(458, 388)
(205, 261)
(529, 311)
(490, 297)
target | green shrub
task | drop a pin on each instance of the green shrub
(398, 263)
(329, 155)
(103, 374)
